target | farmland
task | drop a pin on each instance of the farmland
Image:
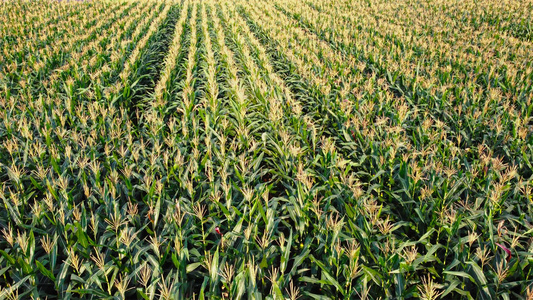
(257, 149)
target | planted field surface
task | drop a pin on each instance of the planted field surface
(266, 149)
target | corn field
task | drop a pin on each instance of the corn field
(266, 149)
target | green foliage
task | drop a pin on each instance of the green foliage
(258, 149)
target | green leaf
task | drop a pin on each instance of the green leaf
(82, 236)
(460, 274)
(480, 279)
(453, 284)
(214, 268)
(373, 274)
(325, 272)
(193, 266)
(14, 287)
(157, 210)
(9, 258)
(202, 290)
(140, 292)
(99, 293)
(286, 254)
(45, 271)
(239, 285)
